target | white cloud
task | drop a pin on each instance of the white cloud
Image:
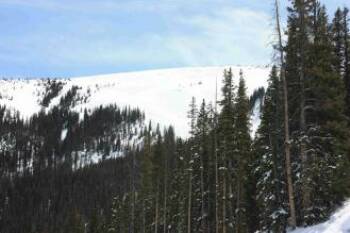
(231, 35)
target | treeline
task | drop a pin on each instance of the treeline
(48, 179)
(62, 136)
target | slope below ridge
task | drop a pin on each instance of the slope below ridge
(338, 223)
(164, 95)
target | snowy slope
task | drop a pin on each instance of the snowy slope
(164, 95)
(338, 223)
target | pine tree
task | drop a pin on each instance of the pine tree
(116, 216)
(157, 177)
(299, 31)
(337, 28)
(327, 128)
(202, 137)
(226, 148)
(347, 60)
(192, 115)
(178, 195)
(269, 160)
(147, 185)
(169, 153)
(242, 156)
(318, 131)
(341, 48)
(121, 216)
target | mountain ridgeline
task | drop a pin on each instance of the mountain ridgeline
(107, 169)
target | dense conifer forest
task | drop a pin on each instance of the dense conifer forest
(293, 172)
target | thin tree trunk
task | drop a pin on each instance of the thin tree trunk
(224, 204)
(189, 216)
(157, 213)
(203, 214)
(216, 165)
(143, 217)
(304, 163)
(238, 211)
(133, 195)
(347, 61)
(238, 208)
(292, 219)
(231, 213)
(165, 197)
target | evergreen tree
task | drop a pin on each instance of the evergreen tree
(121, 218)
(178, 196)
(319, 128)
(338, 30)
(327, 126)
(116, 216)
(157, 178)
(242, 156)
(346, 28)
(226, 148)
(192, 115)
(169, 153)
(147, 184)
(341, 48)
(202, 137)
(268, 164)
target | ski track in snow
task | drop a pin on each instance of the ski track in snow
(164, 95)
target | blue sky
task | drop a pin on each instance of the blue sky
(66, 38)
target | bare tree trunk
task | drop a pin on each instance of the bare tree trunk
(292, 218)
(224, 204)
(203, 212)
(238, 207)
(238, 211)
(189, 210)
(216, 164)
(133, 195)
(347, 61)
(231, 212)
(143, 217)
(303, 155)
(165, 197)
(157, 212)
(216, 188)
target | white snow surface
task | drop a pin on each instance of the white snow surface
(164, 95)
(255, 118)
(338, 223)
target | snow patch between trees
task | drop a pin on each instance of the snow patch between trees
(338, 223)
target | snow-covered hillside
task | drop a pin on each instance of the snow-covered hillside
(338, 223)
(164, 95)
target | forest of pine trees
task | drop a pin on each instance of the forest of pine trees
(293, 172)
(225, 180)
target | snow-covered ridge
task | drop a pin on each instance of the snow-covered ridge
(164, 95)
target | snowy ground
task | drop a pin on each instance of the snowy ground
(164, 95)
(338, 223)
